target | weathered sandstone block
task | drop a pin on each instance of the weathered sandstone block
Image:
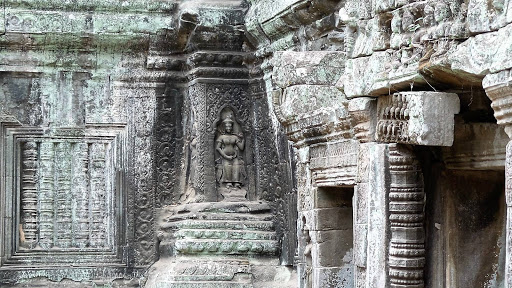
(421, 118)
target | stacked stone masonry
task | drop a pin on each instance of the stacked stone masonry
(256, 143)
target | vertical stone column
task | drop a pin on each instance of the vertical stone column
(406, 215)
(368, 218)
(499, 90)
(377, 275)
(508, 196)
(412, 118)
(29, 184)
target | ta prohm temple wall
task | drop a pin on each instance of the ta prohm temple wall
(256, 143)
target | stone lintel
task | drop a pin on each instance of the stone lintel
(477, 146)
(334, 163)
(418, 118)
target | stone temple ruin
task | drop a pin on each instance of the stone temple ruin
(256, 143)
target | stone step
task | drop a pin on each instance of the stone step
(219, 224)
(205, 268)
(226, 247)
(220, 216)
(202, 284)
(224, 234)
(252, 207)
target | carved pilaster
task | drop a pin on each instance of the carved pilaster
(97, 197)
(46, 195)
(406, 208)
(63, 197)
(28, 231)
(508, 196)
(80, 195)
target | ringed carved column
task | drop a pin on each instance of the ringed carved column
(406, 208)
(29, 225)
(412, 118)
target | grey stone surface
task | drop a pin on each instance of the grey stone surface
(477, 146)
(421, 118)
(255, 143)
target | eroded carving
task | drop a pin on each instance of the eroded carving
(29, 226)
(423, 118)
(66, 195)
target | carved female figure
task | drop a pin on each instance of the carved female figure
(230, 167)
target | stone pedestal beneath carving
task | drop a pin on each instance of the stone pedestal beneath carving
(233, 194)
(218, 244)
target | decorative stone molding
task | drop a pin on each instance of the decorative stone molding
(307, 68)
(271, 24)
(209, 64)
(406, 216)
(363, 112)
(219, 228)
(419, 118)
(498, 87)
(334, 164)
(71, 180)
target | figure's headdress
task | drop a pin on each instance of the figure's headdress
(228, 119)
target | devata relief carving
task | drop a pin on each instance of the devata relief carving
(229, 162)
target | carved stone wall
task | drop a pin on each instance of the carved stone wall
(111, 113)
(385, 56)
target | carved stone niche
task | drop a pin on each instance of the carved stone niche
(419, 118)
(62, 193)
(210, 103)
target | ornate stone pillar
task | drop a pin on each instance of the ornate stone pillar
(406, 217)
(499, 90)
(417, 118)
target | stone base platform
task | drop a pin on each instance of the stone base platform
(218, 228)
(221, 245)
(220, 272)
